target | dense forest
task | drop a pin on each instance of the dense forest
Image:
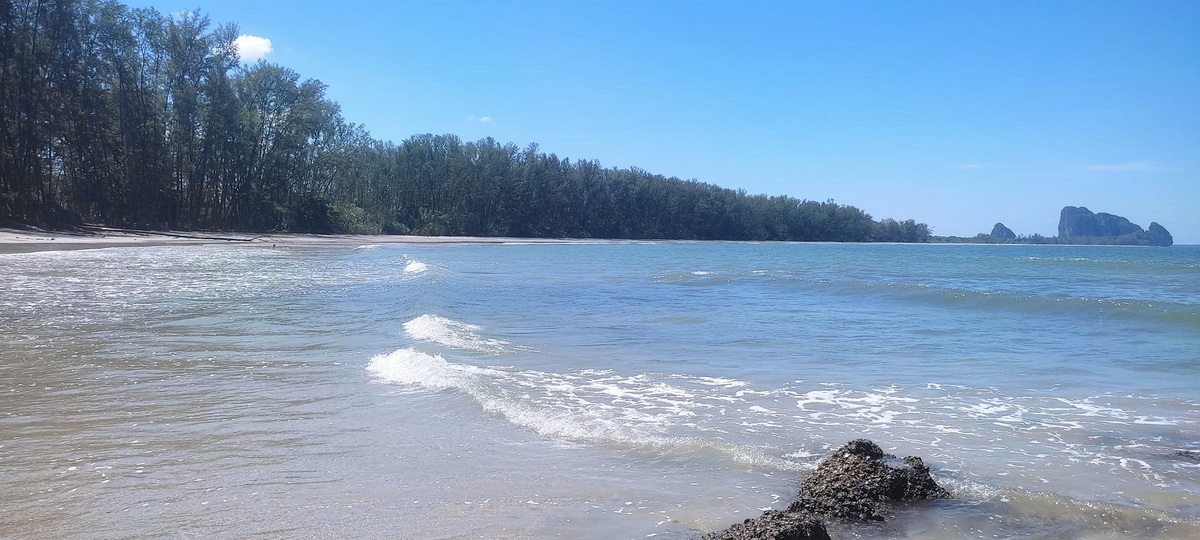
(132, 118)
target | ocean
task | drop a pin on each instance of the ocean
(592, 390)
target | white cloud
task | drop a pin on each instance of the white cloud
(1125, 166)
(252, 48)
(484, 119)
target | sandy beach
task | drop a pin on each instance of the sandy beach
(24, 241)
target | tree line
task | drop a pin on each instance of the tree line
(133, 118)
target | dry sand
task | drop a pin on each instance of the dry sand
(24, 241)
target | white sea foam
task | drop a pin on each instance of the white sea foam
(720, 381)
(415, 267)
(454, 334)
(674, 413)
(1093, 410)
(366, 247)
(843, 406)
(413, 367)
(963, 488)
(640, 410)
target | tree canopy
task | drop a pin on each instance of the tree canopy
(133, 118)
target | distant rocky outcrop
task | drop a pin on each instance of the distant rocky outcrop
(1158, 235)
(1078, 221)
(1077, 224)
(857, 483)
(1000, 232)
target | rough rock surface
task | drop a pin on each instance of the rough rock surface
(774, 525)
(1000, 232)
(856, 483)
(1189, 455)
(858, 480)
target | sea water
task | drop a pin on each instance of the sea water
(606, 390)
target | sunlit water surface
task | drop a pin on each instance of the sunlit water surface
(613, 390)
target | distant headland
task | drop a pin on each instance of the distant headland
(1077, 225)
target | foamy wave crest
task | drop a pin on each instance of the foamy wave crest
(415, 267)
(1055, 432)
(413, 367)
(660, 413)
(365, 247)
(1021, 436)
(454, 334)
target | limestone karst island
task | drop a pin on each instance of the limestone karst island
(1080, 226)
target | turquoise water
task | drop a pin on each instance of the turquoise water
(601, 390)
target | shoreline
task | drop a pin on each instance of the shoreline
(14, 241)
(28, 241)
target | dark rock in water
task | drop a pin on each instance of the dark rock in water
(858, 480)
(1000, 232)
(1190, 455)
(856, 483)
(774, 525)
(1158, 235)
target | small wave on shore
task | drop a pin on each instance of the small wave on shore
(453, 334)
(705, 418)
(415, 267)
(983, 440)
(640, 411)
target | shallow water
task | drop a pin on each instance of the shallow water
(604, 391)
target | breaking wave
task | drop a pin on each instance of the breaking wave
(454, 334)
(753, 426)
(589, 405)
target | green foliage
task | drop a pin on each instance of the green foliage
(351, 219)
(890, 230)
(138, 119)
(321, 215)
(312, 214)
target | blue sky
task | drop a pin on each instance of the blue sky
(956, 113)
